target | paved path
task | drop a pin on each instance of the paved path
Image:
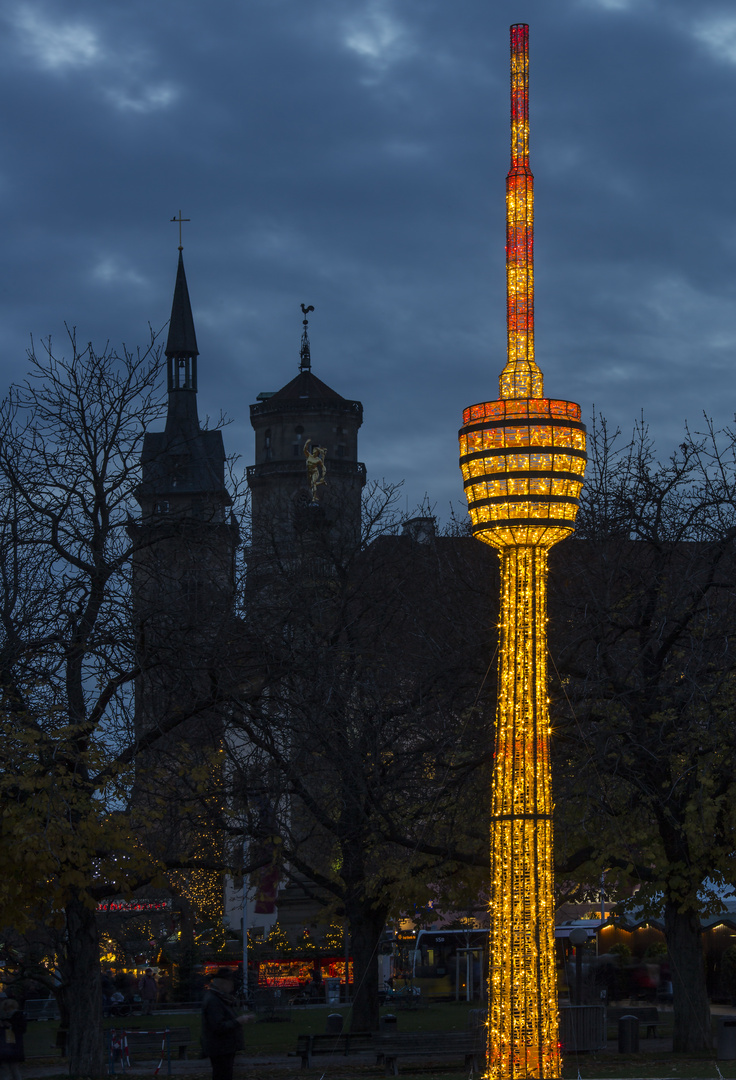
(246, 1065)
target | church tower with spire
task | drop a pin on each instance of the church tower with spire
(306, 473)
(185, 540)
(183, 466)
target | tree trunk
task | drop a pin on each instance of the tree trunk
(691, 1007)
(80, 971)
(366, 925)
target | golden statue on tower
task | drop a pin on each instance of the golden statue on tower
(316, 467)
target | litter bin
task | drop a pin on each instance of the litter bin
(332, 991)
(334, 1024)
(628, 1035)
(726, 1038)
(387, 1023)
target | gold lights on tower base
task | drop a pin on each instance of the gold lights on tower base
(522, 458)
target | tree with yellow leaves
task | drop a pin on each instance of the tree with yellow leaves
(70, 440)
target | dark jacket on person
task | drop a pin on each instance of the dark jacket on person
(148, 988)
(12, 1030)
(221, 1032)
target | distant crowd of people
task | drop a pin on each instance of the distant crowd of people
(222, 1018)
(124, 994)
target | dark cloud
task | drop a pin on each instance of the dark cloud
(353, 156)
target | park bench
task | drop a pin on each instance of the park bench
(349, 1042)
(647, 1015)
(439, 1044)
(151, 1042)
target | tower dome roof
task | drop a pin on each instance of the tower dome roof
(306, 385)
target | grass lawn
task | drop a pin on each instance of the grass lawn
(266, 1037)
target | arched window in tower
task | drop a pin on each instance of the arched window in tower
(182, 373)
(297, 444)
(267, 447)
(341, 446)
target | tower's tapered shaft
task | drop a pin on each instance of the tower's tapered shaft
(523, 458)
(522, 1029)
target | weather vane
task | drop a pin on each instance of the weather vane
(305, 358)
(180, 219)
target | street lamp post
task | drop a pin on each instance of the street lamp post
(578, 938)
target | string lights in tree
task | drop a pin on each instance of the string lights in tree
(523, 459)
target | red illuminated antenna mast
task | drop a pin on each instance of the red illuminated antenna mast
(521, 378)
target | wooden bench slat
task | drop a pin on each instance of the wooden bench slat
(469, 1045)
(391, 1046)
(346, 1042)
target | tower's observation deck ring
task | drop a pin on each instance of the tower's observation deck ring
(522, 462)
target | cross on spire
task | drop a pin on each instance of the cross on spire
(180, 219)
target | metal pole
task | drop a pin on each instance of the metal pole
(578, 938)
(245, 921)
(346, 936)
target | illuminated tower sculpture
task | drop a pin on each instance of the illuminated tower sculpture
(523, 458)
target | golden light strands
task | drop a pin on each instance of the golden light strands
(521, 378)
(523, 463)
(522, 1030)
(523, 459)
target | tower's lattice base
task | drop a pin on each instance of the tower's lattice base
(522, 1030)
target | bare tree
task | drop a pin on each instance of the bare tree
(364, 734)
(70, 445)
(645, 613)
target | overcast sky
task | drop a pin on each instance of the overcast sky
(352, 154)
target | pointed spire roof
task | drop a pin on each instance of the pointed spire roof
(182, 340)
(305, 356)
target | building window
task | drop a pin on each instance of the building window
(161, 507)
(297, 444)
